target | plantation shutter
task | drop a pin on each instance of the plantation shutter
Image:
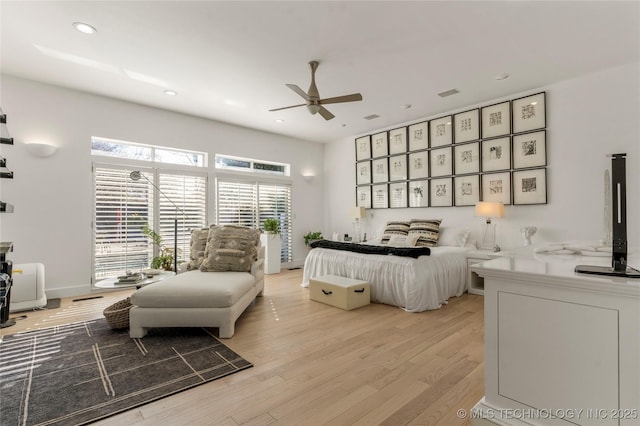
(123, 206)
(250, 203)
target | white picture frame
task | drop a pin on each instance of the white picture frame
(380, 196)
(467, 158)
(530, 186)
(440, 132)
(363, 196)
(529, 150)
(419, 136)
(363, 148)
(467, 190)
(398, 141)
(529, 113)
(418, 165)
(397, 167)
(398, 195)
(440, 162)
(363, 172)
(380, 170)
(496, 120)
(496, 187)
(467, 126)
(379, 145)
(441, 192)
(496, 154)
(418, 193)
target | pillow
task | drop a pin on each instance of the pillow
(397, 240)
(230, 248)
(198, 246)
(394, 228)
(455, 237)
(428, 231)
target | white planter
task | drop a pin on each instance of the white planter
(272, 246)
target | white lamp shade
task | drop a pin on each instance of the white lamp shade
(487, 209)
(357, 213)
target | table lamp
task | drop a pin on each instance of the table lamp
(489, 210)
(357, 213)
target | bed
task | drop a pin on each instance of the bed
(415, 285)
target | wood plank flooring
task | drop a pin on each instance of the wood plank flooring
(318, 365)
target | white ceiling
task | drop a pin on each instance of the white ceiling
(229, 61)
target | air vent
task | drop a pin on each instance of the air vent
(371, 117)
(448, 93)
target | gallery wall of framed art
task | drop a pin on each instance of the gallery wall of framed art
(496, 153)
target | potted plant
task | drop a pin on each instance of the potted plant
(312, 236)
(272, 243)
(165, 259)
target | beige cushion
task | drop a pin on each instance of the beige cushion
(230, 248)
(394, 228)
(198, 245)
(195, 289)
(427, 230)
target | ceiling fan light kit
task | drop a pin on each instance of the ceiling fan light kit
(314, 103)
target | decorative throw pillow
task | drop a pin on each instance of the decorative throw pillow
(428, 231)
(230, 248)
(394, 228)
(198, 245)
(455, 237)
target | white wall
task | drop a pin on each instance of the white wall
(587, 118)
(53, 196)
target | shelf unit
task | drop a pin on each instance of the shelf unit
(475, 283)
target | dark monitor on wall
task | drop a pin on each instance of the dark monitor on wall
(619, 266)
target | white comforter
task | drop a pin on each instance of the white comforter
(415, 285)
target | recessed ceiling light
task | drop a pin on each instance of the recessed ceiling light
(170, 92)
(279, 120)
(84, 28)
(502, 76)
(406, 106)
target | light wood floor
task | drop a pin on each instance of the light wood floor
(315, 364)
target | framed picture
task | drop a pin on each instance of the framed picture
(496, 187)
(363, 197)
(379, 145)
(467, 190)
(496, 120)
(380, 196)
(496, 154)
(363, 172)
(440, 131)
(419, 193)
(529, 113)
(398, 141)
(467, 126)
(529, 150)
(398, 195)
(530, 186)
(440, 163)
(418, 165)
(467, 158)
(379, 170)
(363, 148)
(398, 167)
(419, 136)
(441, 192)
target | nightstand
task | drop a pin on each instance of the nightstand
(475, 283)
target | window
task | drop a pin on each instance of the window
(123, 206)
(248, 165)
(250, 203)
(135, 151)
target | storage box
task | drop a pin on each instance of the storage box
(343, 293)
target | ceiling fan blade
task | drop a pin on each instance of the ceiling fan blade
(292, 106)
(298, 90)
(346, 98)
(325, 113)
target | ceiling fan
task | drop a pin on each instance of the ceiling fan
(314, 104)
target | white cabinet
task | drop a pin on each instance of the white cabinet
(272, 244)
(475, 283)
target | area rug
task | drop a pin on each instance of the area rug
(79, 373)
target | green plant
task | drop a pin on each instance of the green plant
(272, 226)
(312, 236)
(165, 260)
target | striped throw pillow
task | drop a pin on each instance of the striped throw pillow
(427, 230)
(394, 228)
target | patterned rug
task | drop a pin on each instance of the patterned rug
(79, 373)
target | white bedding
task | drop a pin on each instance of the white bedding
(415, 285)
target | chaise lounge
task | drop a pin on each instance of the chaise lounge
(223, 281)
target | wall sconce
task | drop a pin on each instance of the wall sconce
(41, 150)
(489, 210)
(308, 176)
